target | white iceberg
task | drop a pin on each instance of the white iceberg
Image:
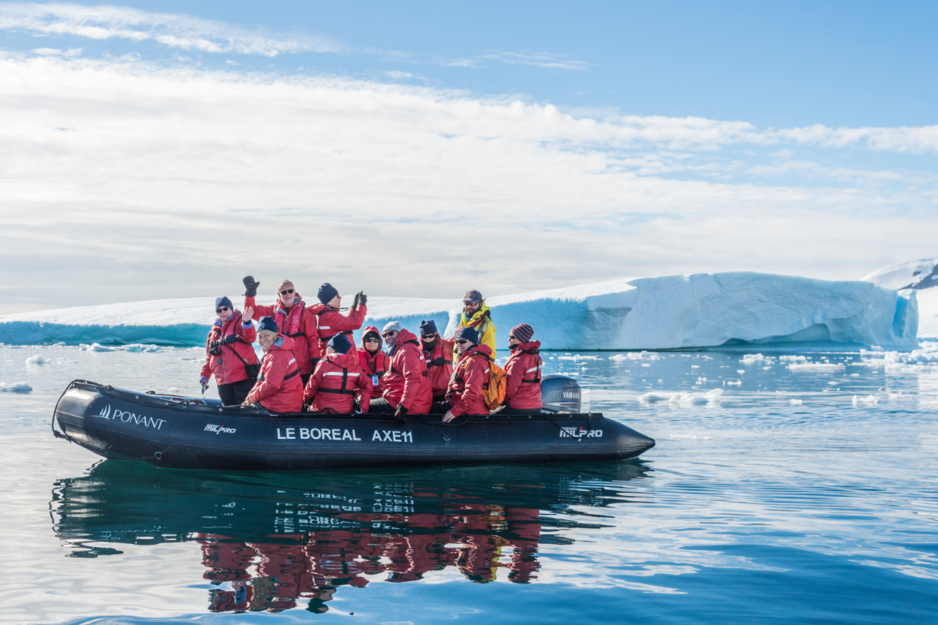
(920, 276)
(674, 312)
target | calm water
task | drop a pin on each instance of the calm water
(783, 500)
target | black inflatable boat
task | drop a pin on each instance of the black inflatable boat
(171, 431)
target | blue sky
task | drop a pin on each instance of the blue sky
(623, 139)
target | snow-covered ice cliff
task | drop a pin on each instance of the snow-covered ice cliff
(700, 310)
(920, 276)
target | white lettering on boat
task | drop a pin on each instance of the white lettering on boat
(219, 429)
(580, 432)
(392, 436)
(317, 434)
(125, 416)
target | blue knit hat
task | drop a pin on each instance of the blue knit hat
(223, 301)
(469, 334)
(340, 344)
(428, 328)
(269, 324)
(326, 293)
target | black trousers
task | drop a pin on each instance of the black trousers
(305, 379)
(380, 406)
(235, 393)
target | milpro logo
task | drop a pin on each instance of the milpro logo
(219, 429)
(580, 432)
(128, 417)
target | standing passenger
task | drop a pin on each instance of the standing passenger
(278, 387)
(476, 315)
(294, 320)
(523, 393)
(374, 362)
(229, 352)
(438, 354)
(407, 384)
(470, 378)
(331, 321)
(337, 380)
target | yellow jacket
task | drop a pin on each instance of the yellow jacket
(481, 321)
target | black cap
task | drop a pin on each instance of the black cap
(340, 344)
(269, 324)
(472, 296)
(428, 327)
(326, 293)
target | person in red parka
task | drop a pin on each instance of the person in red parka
(523, 393)
(337, 380)
(294, 319)
(372, 359)
(331, 321)
(279, 388)
(438, 354)
(407, 383)
(470, 378)
(228, 352)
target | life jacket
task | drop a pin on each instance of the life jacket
(439, 365)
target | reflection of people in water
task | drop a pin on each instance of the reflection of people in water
(315, 565)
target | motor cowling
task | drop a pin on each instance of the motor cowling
(561, 394)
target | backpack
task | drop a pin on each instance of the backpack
(494, 393)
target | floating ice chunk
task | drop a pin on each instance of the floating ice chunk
(870, 400)
(815, 366)
(795, 358)
(36, 361)
(696, 399)
(740, 371)
(16, 387)
(749, 359)
(796, 402)
(97, 347)
(643, 355)
(137, 347)
(655, 396)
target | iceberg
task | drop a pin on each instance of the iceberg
(672, 312)
(920, 276)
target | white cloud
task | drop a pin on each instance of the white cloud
(173, 30)
(541, 59)
(164, 182)
(398, 74)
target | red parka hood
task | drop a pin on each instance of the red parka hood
(346, 361)
(283, 342)
(404, 336)
(533, 346)
(485, 350)
(365, 333)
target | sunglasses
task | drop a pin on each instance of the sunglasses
(371, 339)
(286, 292)
(462, 341)
(222, 309)
(391, 333)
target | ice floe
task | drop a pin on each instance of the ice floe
(15, 387)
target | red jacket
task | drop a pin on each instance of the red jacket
(299, 324)
(226, 366)
(407, 381)
(374, 365)
(332, 322)
(335, 383)
(279, 387)
(524, 376)
(440, 364)
(470, 378)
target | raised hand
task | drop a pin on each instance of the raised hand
(355, 301)
(248, 312)
(250, 286)
(362, 299)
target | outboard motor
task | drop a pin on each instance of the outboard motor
(562, 394)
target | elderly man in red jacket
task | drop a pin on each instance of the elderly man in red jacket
(229, 351)
(407, 384)
(278, 387)
(337, 380)
(470, 378)
(294, 319)
(523, 393)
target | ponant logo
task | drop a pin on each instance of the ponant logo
(125, 416)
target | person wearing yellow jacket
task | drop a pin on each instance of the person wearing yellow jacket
(476, 315)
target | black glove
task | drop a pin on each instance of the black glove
(355, 301)
(314, 361)
(362, 299)
(400, 413)
(250, 286)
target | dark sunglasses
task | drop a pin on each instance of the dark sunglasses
(286, 292)
(222, 309)
(462, 341)
(512, 337)
(372, 339)
(390, 333)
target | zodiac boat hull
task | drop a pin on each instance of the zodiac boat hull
(182, 432)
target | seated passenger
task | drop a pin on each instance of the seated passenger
(523, 393)
(407, 384)
(438, 354)
(229, 352)
(279, 388)
(337, 380)
(374, 362)
(476, 315)
(293, 318)
(470, 378)
(331, 321)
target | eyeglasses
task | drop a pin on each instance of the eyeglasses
(462, 341)
(512, 337)
(287, 292)
(371, 339)
(221, 309)
(390, 333)
(428, 337)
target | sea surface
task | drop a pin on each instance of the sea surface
(796, 486)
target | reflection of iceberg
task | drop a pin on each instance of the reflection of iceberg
(701, 310)
(269, 539)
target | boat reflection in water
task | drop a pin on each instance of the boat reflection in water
(271, 539)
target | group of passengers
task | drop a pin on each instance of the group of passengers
(310, 360)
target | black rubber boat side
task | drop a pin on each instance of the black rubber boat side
(182, 432)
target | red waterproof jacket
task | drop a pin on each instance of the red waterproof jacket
(374, 365)
(332, 322)
(470, 378)
(407, 381)
(279, 387)
(337, 380)
(237, 338)
(524, 376)
(440, 364)
(299, 324)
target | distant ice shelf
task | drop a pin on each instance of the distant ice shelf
(672, 312)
